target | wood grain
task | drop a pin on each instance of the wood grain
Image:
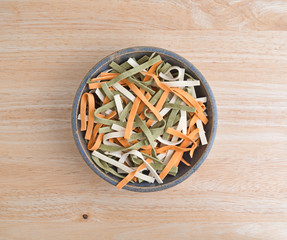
(47, 47)
(147, 15)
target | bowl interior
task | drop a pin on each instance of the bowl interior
(202, 91)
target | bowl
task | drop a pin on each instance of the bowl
(200, 153)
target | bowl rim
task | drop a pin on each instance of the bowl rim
(107, 59)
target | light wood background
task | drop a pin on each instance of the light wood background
(46, 48)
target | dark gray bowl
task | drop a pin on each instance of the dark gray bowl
(204, 90)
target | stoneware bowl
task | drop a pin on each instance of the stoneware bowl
(200, 153)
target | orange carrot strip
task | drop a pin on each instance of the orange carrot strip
(134, 141)
(126, 164)
(142, 105)
(143, 98)
(98, 142)
(171, 147)
(179, 134)
(161, 101)
(158, 106)
(116, 141)
(193, 102)
(123, 142)
(106, 100)
(135, 129)
(130, 176)
(185, 162)
(124, 100)
(95, 85)
(109, 77)
(83, 109)
(91, 143)
(157, 81)
(190, 129)
(194, 147)
(202, 105)
(192, 122)
(87, 98)
(142, 116)
(92, 146)
(149, 122)
(146, 147)
(147, 151)
(151, 70)
(177, 155)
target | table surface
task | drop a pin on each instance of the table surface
(47, 47)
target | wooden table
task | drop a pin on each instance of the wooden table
(47, 47)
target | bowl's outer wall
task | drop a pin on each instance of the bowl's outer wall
(200, 153)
